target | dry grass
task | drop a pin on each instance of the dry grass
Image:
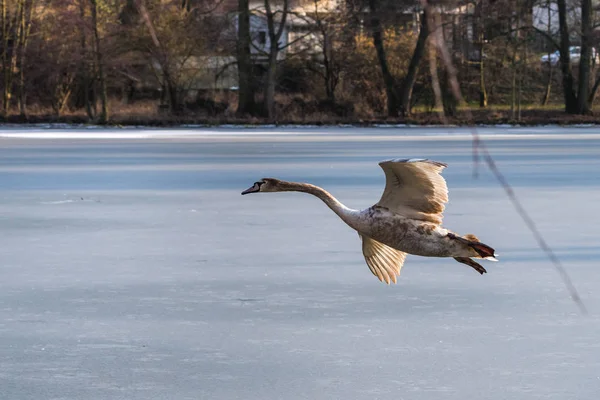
(140, 109)
(302, 110)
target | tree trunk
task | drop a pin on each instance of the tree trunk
(269, 89)
(483, 98)
(546, 97)
(413, 68)
(584, 60)
(84, 67)
(522, 72)
(246, 103)
(520, 91)
(171, 86)
(101, 78)
(565, 60)
(275, 34)
(62, 93)
(22, 95)
(593, 92)
(8, 56)
(513, 97)
(330, 77)
(393, 103)
(24, 29)
(169, 83)
(4, 27)
(449, 101)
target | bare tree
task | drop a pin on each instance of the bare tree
(546, 97)
(413, 68)
(16, 26)
(8, 52)
(576, 101)
(483, 97)
(169, 56)
(391, 86)
(327, 25)
(85, 65)
(160, 54)
(25, 16)
(5, 26)
(246, 103)
(398, 93)
(100, 64)
(276, 25)
(583, 106)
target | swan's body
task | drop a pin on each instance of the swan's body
(407, 218)
(410, 236)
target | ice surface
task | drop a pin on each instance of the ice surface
(133, 269)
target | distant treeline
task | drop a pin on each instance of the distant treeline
(296, 60)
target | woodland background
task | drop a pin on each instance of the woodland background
(297, 61)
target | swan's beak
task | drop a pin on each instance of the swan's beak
(255, 188)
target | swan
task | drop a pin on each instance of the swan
(406, 220)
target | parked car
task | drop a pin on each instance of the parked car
(574, 55)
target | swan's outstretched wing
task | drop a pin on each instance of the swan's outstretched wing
(383, 261)
(414, 189)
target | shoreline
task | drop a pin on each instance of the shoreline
(478, 118)
(345, 133)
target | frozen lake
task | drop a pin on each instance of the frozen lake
(132, 268)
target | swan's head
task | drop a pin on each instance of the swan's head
(266, 185)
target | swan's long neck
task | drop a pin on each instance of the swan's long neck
(348, 215)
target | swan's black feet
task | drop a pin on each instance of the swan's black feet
(471, 263)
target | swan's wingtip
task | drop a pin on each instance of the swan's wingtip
(414, 160)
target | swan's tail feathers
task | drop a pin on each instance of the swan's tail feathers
(384, 262)
(483, 250)
(471, 263)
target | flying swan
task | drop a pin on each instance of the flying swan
(406, 220)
